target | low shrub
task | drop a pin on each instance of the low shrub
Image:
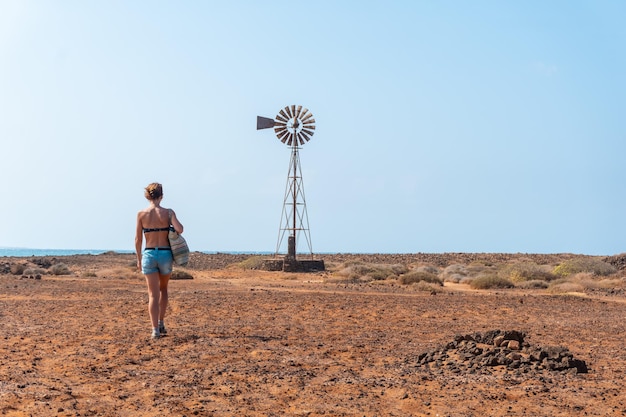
(178, 274)
(465, 273)
(359, 270)
(587, 280)
(561, 287)
(17, 269)
(254, 262)
(485, 282)
(454, 273)
(526, 271)
(595, 266)
(428, 287)
(427, 268)
(536, 284)
(119, 273)
(59, 269)
(419, 276)
(34, 271)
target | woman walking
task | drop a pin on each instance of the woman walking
(155, 261)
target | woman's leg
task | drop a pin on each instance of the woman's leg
(163, 281)
(152, 280)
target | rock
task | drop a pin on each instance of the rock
(513, 345)
(476, 353)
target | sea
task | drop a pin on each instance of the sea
(27, 252)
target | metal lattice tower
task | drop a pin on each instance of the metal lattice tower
(294, 126)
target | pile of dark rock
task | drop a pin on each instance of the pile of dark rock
(618, 261)
(477, 353)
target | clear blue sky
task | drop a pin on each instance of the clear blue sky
(442, 126)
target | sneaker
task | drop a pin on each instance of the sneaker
(162, 329)
(156, 333)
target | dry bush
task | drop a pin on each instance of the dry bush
(428, 268)
(560, 287)
(367, 272)
(533, 285)
(60, 269)
(419, 276)
(428, 287)
(254, 262)
(587, 280)
(466, 273)
(18, 269)
(179, 274)
(332, 266)
(34, 271)
(594, 266)
(526, 271)
(89, 274)
(476, 269)
(119, 273)
(454, 273)
(490, 281)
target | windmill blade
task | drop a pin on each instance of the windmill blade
(288, 110)
(281, 118)
(280, 123)
(290, 141)
(306, 135)
(299, 112)
(264, 123)
(293, 110)
(300, 138)
(282, 136)
(307, 132)
(282, 112)
(307, 117)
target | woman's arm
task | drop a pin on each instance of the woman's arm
(138, 239)
(177, 225)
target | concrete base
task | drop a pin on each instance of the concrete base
(293, 265)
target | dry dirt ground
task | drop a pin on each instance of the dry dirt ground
(255, 343)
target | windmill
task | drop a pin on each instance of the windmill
(294, 126)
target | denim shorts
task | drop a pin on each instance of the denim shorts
(157, 260)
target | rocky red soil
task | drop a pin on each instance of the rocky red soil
(256, 343)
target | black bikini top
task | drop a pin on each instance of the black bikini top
(158, 229)
(161, 229)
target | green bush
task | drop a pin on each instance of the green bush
(525, 271)
(584, 264)
(419, 276)
(490, 281)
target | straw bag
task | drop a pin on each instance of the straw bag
(180, 250)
